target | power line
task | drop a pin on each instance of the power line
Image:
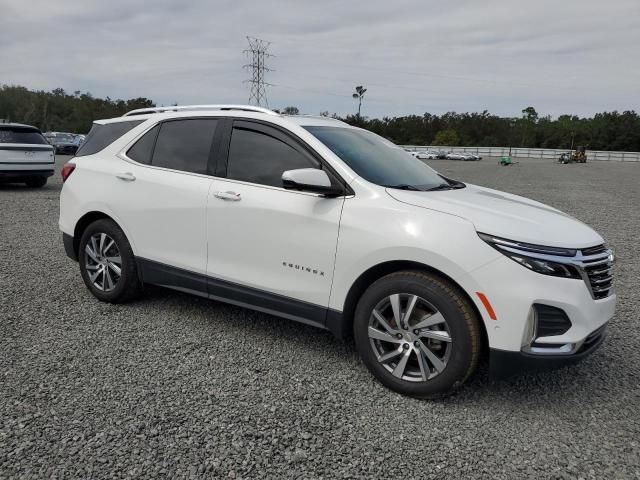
(311, 90)
(258, 52)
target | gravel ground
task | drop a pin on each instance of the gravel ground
(176, 386)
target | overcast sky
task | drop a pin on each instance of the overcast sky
(560, 56)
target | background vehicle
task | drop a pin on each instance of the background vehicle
(79, 139)
(424, 155)
(331, 225)
(440, 154)
(25, 155)
(577, 156)
(63, 143)
(461, 156)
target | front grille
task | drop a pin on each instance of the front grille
(594, 250)
(597, 263)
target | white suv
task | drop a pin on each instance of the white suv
(25, 155)
(317, 221)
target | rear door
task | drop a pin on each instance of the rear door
(24, 149)
(159, 191)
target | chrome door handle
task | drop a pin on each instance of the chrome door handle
(232, 196)
(126, 176)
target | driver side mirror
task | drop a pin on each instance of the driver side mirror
(310, 180)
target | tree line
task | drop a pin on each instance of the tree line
(58, 110)
(603, 131)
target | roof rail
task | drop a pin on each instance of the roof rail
(319, 117)
(245, 108)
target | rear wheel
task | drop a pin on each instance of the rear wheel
(417, 334)
(36, 182)
(107, 264)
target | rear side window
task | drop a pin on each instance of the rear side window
(185, 145)
(21, 135)
(102, 136)
(143, 149)
(257, 157)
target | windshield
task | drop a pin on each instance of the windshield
(62, 139)
(377, 160)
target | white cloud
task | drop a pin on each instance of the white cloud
(575, 56)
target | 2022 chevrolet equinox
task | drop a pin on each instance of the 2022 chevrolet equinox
(313, 220)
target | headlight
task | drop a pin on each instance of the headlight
(546, 260)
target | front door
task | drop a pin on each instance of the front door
(273, 247)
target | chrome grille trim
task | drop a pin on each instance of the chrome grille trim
(594, 264)
(599, 279)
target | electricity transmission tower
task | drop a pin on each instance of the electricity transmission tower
(258, 53)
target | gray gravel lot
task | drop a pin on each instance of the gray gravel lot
(176, 386)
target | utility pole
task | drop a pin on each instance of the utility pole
(258, 53)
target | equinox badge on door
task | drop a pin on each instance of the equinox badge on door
(303, 268)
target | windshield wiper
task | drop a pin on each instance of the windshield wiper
(454, 184)
(442, 186)
(404, 186)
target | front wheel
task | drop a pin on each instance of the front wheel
(107, 264)
(417, 334)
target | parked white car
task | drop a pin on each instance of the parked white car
(461, 156)
(333, 226)
(25, 155)
(422, 155)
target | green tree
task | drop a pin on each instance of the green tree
(530, 114)
(446, 137)
(529, 117)
(291, 111)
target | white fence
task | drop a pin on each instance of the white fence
(547, 153)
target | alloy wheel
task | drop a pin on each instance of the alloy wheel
(103, 262)
(410, 337)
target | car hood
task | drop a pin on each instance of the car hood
(505, 215)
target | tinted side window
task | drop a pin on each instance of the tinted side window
(257, 157)
(101, 136)
(21, 135)
(143, 149)
(184, 145)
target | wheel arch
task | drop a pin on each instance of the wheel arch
(341, 323)
(83, 222)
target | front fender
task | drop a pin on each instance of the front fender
(401, 232)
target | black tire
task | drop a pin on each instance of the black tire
(461, 322)
(128, 285)
(36, 182)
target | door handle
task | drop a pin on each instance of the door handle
(232, 196)
(126, 176)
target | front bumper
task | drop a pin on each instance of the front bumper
(503, 363)
(513, 289)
